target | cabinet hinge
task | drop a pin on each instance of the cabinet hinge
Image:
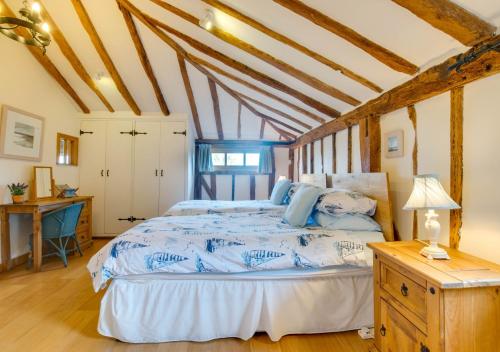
(86, 132)
(133, 133)
(178, 132)
(131, 218)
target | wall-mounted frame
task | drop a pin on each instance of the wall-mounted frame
(66, 150)
(21, 134)
(394, 144)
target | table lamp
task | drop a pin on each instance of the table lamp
(430, 195)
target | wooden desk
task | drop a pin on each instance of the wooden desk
(36, 208)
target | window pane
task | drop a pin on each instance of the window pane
(252, 159)
(234, 159)
(218, 159)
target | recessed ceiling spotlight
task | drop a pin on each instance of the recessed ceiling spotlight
(207, 21)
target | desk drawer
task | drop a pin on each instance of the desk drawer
(408, 292)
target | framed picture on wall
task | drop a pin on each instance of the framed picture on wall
(21, 134)
(394, 144)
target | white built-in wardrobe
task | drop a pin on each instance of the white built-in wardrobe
(135, 169)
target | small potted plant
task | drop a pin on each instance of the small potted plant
(17, 192)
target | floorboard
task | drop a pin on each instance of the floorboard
(57, 310)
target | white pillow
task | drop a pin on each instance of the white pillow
(341, 201)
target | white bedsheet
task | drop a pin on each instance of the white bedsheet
(200, 207)
(172, 307)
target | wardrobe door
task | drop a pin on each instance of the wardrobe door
(146, 170)
(118, 177)
(173, 166)
(92, 164)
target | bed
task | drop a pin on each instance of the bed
(265, 279)
(200, 207)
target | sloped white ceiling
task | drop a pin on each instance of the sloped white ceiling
(382, 21)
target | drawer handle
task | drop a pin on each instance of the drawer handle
(382, 330)
(404, 290)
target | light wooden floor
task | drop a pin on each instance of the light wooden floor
(57, 310)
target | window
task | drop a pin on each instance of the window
(240, 160)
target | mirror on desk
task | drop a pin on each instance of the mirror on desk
(42, 184)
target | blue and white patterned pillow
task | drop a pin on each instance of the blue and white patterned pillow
(347, 222)
(343, 201)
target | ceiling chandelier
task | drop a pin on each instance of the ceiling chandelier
(32, 22)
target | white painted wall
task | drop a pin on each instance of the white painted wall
(28, 87)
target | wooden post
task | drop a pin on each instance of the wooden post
(334, 153)
(322, 144)
(291, 162)
(272, 175)
(456, 164)
(252, 187)
(213, 185)
(349, 149)
(412, 115)
(311, 158)
(369, 140)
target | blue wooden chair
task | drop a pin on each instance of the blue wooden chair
(59, 227)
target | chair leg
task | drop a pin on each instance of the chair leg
(77, 245)
(62, 253)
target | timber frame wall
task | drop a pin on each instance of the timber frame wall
(201, 184)
(435, 81)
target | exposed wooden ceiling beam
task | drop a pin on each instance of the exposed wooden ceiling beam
(327, 110)
(72, 58)
(215, 103)
(190, 95)
(385, 56)
(276, 111)
(257, 89)
(290, 42)
(143, 56)
(434, 81)
(46, 62)
(146, 20)
(450, 18)
(271, 60)
(101, 50)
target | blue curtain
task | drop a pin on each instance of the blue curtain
(205, 158)
(265, 161)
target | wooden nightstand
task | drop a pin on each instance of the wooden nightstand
(426, 305)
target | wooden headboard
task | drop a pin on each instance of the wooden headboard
(375, 186)
(314, 179)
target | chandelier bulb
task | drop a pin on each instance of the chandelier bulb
(46, 27)
(36, 7)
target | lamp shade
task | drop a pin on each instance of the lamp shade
(428, 193)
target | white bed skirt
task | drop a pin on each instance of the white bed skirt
(161, 309)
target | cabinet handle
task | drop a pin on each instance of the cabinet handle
(156, 172)
(183, 132)
(107, 173)
(86, 132)
(161, 173)
(404, 290)
(424, 348)
(102, 173)
(382, 330)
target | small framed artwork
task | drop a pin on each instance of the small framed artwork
(394, 144)
(21, 134)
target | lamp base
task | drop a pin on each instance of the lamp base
(434, 252)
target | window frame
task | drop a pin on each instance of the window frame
(236, 150)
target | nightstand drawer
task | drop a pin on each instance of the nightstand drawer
(408, 292)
